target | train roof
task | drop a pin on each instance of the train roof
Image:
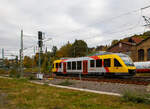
(121, 54)
(78, 59)
(91, 57)
(102, 53)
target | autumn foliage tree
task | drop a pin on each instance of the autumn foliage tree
(27, 62)
(79, 48)
(64, 51)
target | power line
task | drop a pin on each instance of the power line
(110, 19)
(145, 7)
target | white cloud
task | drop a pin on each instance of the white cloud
(66, 20)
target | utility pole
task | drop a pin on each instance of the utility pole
(40, 44)
(3, 56)
(33, 58)
(21, 54)
(74, 52)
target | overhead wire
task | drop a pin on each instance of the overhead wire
(105, 33)
(110, 19)
(116, 17)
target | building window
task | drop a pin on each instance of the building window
(107, 62)
(99, 63)
(116, 63)
(120, 45)
(69, 65)
(73, 65)
(148, 54)
(141, 55)
(79, 65)
(92, 63)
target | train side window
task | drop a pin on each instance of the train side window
(116, 63)
(79, 65)
(99, 63)
(59, 65)
(92, 63)
(56, 65)
(69, 65)
(107, 62)
(73, 65)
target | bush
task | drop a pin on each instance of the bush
(31, 77)
(66, 83)
(2, 71)
(14, 73)
(129, 96)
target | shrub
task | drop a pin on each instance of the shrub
(3, 71)
(129, 96)
(31, 77)
(14, 73)
(46, 84)
(66, 83)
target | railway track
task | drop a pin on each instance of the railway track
(131, 80)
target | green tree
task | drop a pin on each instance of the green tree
(114, 42)
(79, 48)
(64, 51)
(27, 62)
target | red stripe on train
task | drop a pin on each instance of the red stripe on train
(94, 57)
(106, 68)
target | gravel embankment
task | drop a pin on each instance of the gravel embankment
(101, 86)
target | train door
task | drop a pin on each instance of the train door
(64, 68)
(85, 67)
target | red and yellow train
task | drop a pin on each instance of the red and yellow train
(101, 64)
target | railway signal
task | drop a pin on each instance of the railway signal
(40, 39)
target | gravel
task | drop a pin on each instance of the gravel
(101, 86)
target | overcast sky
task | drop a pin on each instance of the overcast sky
(95, 21)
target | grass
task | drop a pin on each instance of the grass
(135, 97)
(35, 69)
(142, 74)
(21, 94)
(3, 72)
(66, 83)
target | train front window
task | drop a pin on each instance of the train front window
(127, 60)
(116, 63)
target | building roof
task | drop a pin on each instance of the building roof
(127, 43)
(136, 39)
(131, 42)
(144, 40)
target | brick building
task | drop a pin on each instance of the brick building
(137, 48)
